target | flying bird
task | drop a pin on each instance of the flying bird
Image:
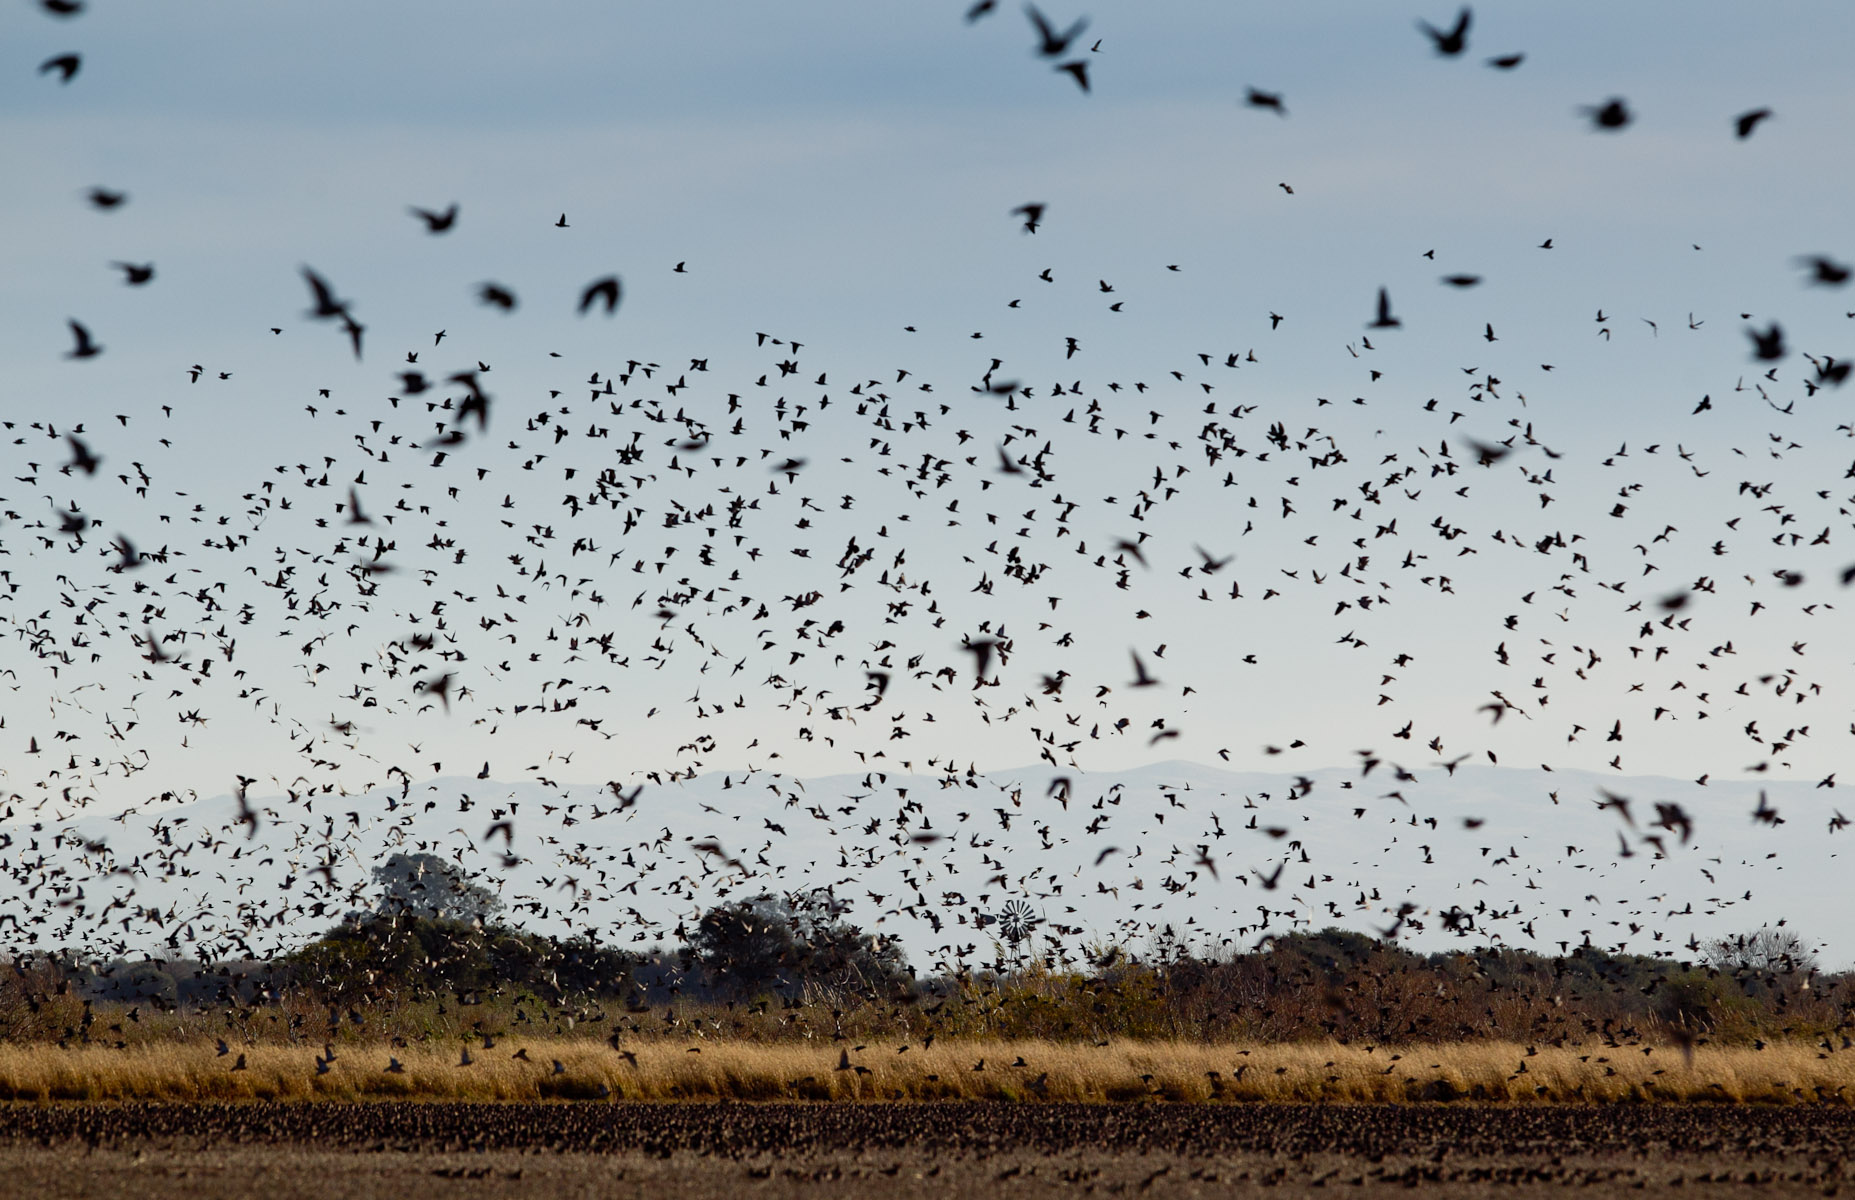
(1825, 270)
(1746, 122)
(82, 458)
(1052, 44)
(494, 295)
(1261, 99)
(436, 222)
(607, 291)
(65, 64)
(327, 306)
(1769, 345)
(1611, 115)
(84, 347)
(1452, 41)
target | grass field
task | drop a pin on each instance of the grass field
(580, 1069)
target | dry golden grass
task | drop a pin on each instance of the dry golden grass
(1120, 1071)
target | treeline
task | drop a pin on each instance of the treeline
(779, 968)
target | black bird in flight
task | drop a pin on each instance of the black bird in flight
(328, 307)
(247, 816)
(982, 650)
(354, 329)
(62, 8)
(82, 457)
(1507, 62)
(1212, 565)
(326, 304)
(1384, 320)
(1825, 270)
(1052, 44)
(1486, 455)
(1261, 99)
(65, 64)
(135, 274)
(85, 348)
(1767, 346)
(497, 296)
(1032, 214)
(105, 199)
(982, 8)
(1746, 122)
(437, 222)
(1453, 42)
(1613, 114)
(608, 289)
(1080, 70)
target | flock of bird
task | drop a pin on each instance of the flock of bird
(872, 570)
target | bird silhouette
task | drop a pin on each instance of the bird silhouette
(1768, 346)
(1271, 100)
(1746, 122)
(495, 295)
(437, 222)
(83, 346)
(1825, 270)
(1050, 43)
(65, 65)
(1452, 41)
(1610, 116)
(606, 291)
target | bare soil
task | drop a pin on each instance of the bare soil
(745, 1151)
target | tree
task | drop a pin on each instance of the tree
(426, 886)
(776, 942)
(1767, 950)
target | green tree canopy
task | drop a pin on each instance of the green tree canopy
(428, 887)
(776, 942)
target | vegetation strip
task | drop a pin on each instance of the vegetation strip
(1124, 1070)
